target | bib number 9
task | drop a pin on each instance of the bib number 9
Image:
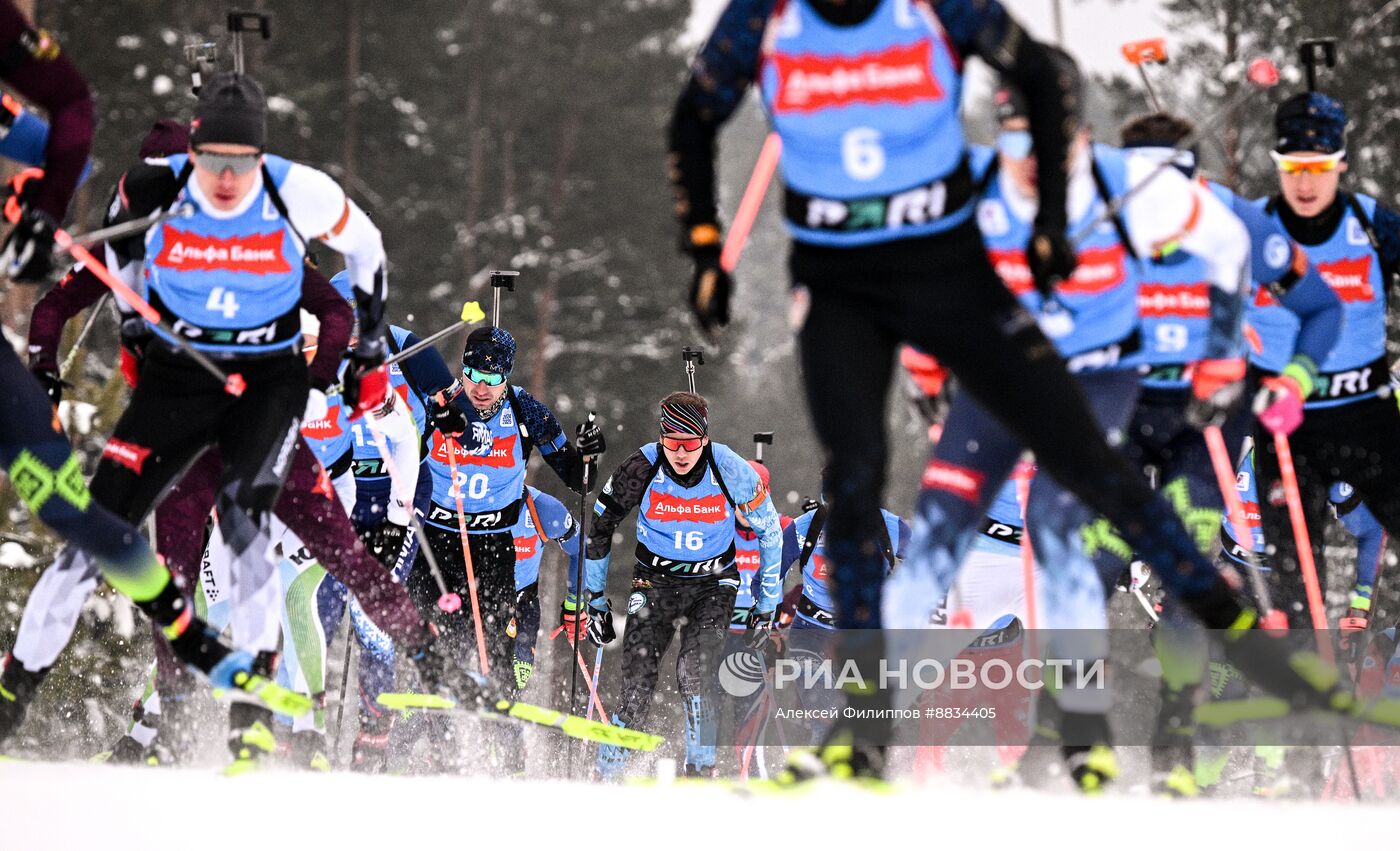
(1172, 338)
(862, 155)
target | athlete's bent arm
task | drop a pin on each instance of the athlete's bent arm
(621, 493)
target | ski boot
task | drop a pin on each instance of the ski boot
(370, 753)
(250, 737)
(1040, 766)
(1091, 768)
(839, 756)
(1173, 772)
(17, 689)
(200, 647)
(1087, 753)
(442, 675)
(611, 759)
(699, 772)
(308, 751)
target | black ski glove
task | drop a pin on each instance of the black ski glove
(588, 440)
(53, 384)
(709, 288)
(27, 255)
(600, 622)
(446, 417)
(760, 629)
(1051, 258)
(384, 542)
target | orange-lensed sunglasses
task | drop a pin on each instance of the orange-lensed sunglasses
(1309, 164)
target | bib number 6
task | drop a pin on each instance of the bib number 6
(862, 155)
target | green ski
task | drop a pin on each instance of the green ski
(575, 726)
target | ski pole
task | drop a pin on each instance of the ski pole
(448, 602)
(344, 684)
(467, 558)
(752, 201)
(1023, 474)
(760, 440)
(93, 315)
(1239, 525)
(1303, 543)
(578, 580)
(597, 672)
(500, 281)
(233, 383)
(122, 230)
(471, 313)
(1151, 51)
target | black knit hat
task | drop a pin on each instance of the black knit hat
(231, 110)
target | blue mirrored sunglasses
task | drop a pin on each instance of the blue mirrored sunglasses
(476, 376)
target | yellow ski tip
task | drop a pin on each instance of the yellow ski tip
(471, 312)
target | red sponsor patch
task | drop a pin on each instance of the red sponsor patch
(260, 254)
(525, 548)
(1189, 301)
(1251, 514)
(1349, 278)
(747, 560)
(502, 452)
(1099, 270)
(325, 428)
(821, 571)
(128, 455)
(709, 509)
(902, 74)
(961, 482)
(1011, 265)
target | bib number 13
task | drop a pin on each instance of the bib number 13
(862, 154)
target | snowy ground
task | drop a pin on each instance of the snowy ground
(81, 806)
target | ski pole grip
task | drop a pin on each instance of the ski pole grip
(472, 312)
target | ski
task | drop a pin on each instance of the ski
(278, 698)
(574, 726)
(1383, 712)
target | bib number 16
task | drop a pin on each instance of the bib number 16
(692, 541)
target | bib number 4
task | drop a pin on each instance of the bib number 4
(222, 301)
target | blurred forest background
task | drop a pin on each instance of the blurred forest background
(530, 135)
